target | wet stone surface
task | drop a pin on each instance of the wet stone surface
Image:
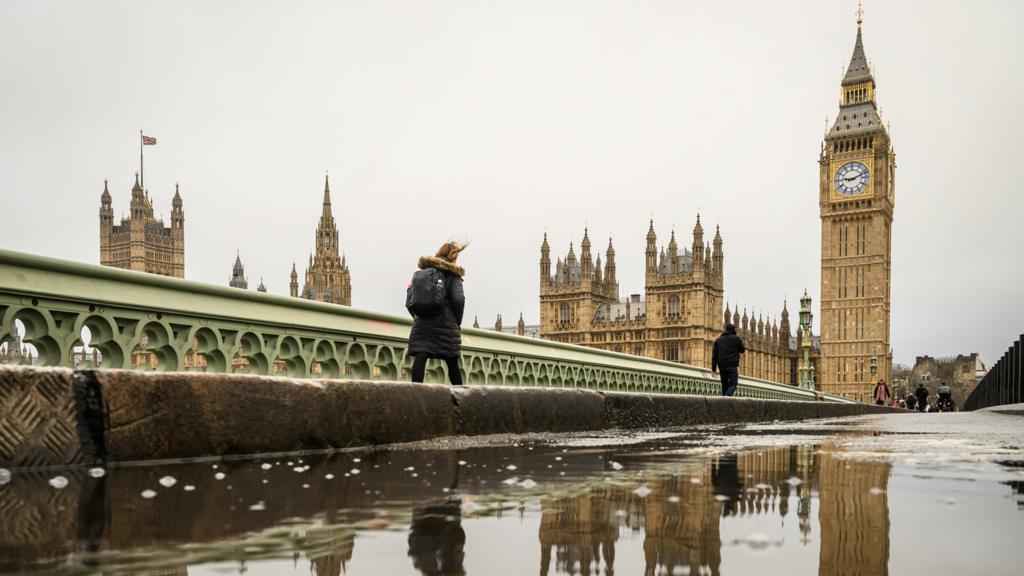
(899, 494)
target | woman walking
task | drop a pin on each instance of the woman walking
(436, 301)
(881, 393)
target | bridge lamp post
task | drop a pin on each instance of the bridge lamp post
(874, 371)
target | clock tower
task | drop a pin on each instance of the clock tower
(857, 181)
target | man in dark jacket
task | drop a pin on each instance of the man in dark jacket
(922, 397)
(440, 336)
(725, 355)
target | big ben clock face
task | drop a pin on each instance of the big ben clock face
(851, 178)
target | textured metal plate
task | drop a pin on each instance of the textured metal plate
(38, 418)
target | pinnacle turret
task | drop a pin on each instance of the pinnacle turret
(237, 279)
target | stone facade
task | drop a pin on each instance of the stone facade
(961, 372)
(857, 167)
(141, 242)
(676, 319)
(327, 276)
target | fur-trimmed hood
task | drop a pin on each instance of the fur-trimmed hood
(441, 264)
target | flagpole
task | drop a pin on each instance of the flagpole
(142, 168)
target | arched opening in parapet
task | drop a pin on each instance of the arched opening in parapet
(528, 378)
(476, 375)
(356, 365)
(155, 350)
(81, 355)
(325, 360)
(494, 376)
(385, 366)
(206, 353)
(15, 347)
(250, 356)
(512, 373)
(435, 372)
(554, 377)
(98, 344)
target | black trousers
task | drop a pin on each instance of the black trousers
(419, 367)
(730, 380)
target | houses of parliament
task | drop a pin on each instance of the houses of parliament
(143, 243)
(680, 313)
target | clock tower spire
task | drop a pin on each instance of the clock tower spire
(856, 199)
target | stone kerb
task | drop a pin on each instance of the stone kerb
(497, 410)
(625, 410)
(181, 415)
(56, 417)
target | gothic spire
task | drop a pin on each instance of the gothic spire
(858, 70)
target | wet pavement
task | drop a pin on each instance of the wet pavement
(900, 494)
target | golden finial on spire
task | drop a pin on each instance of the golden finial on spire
(860, 14)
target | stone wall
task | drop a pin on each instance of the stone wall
(58, 417)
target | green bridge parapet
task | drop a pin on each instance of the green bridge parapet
(175, 319)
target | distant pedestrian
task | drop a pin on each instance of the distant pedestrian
(881, 393)
(725, 355)
(436, 301)
(922, 397)
(911, 402)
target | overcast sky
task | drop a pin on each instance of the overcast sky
(496, 120)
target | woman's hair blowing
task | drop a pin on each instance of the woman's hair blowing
(450, 250)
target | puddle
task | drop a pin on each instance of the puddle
(772, 499)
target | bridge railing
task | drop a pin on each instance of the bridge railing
(143, 321)
(1003, 382)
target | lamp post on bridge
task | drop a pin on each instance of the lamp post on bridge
(806, 370)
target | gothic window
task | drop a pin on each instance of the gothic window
(673, 306)
(563, 314)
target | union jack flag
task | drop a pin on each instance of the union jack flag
(148, 141)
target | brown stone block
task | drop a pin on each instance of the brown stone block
(790, 410)
(624, 410)
(723, 410)
(39, 424)
(361, 412)
(496, 410)
(833, 410)
(181, 415)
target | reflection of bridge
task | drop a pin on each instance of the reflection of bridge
(64, 305)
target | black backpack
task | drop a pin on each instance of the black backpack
(427, 293)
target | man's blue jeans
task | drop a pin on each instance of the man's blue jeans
(730, 380)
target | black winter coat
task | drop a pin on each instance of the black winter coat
(726, 351)
(440, 336)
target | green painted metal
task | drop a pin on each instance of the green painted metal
(56, 299)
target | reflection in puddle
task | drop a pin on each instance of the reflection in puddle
(645, 507)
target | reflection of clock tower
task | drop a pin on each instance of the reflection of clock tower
(857, 166)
